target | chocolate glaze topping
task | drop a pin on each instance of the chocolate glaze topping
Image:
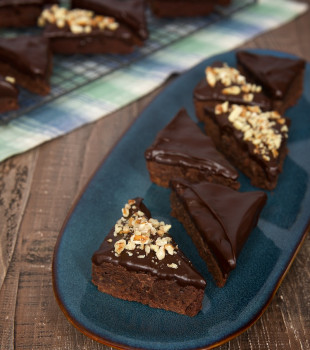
(274, 73)
(223, 217)
(29, 54)
(182, 143)
(7, 89)
(184, 274)
(130, 12)
(205, 92)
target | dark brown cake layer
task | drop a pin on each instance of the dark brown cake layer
(8, 95)
(218, 219)
(281, 77)
(139, 261)
(253, 140)
(184, 8)
(28, 59)
(21, 13)
(182, 150)
(223, 83)
(81, 31)
(130, 12)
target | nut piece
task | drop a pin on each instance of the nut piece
(172, 266)
(119, 246)
(161, 253)
(10, 79)
(232, 90)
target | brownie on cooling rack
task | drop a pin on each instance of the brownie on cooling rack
(21, 13)
(139, 261)
(83, 31)
(182, 150)
(218, 219)
(28, 60)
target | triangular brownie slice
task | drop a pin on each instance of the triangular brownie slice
(28, 59)
(181, 149)
(139, 261)
(281, 77)
(218, 219)
(8, 94)
(76, 30)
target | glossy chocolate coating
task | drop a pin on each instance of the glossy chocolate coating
(130, 12)
(271, 167)
(204, 92)
(185, 273)
(182, 143)
(29, 54)
(276, 74)
(223, 217)
(7, 89)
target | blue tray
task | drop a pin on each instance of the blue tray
(263, 263)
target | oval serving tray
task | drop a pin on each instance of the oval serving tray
(263, 262)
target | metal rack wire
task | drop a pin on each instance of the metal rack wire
(74, 71)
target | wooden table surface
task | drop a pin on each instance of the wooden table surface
(38, 188)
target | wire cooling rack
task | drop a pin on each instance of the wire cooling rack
(71, 72)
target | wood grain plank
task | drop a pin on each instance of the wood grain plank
(15, 177)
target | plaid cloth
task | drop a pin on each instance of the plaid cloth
(109, 93)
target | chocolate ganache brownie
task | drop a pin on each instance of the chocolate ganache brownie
(281, 77)
(129, 12)
(139, 261)
(28, 59)
(223, 83)
(181, 149)
(82, 31)
(254, 140)
(21, 13)
(219, 221)
(8, 94)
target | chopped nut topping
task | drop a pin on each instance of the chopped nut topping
(79, 21)
(138, 232)
(235, 83)
(258, 127)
